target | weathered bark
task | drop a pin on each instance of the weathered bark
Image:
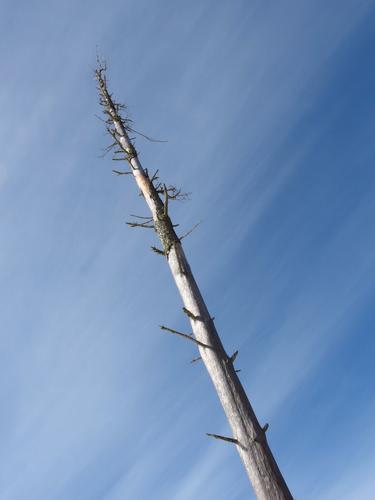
(248, 436)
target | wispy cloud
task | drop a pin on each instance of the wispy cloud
(98, 404)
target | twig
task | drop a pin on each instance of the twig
(145, 136)
(223, 438)
(144, 225)
(186, 336)
(155, 176)
(194, 360)
(107, 149)
(158, 251)
(119, 172)
(190, 231)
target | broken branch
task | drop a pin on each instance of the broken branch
(233, 357)
(191, 315)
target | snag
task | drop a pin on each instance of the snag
(260, 465)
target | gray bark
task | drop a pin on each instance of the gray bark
(248, 436)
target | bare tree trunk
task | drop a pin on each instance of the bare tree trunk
(248, 436)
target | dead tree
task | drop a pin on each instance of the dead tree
(249, 436)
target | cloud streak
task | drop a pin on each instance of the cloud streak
(98, 403)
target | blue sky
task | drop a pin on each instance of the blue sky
(268, 110)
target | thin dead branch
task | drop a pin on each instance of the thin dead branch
(155, 176)
(194, 360)
(158, 251)
(119, 172)
(186, 336)
(223, 438)
(146, 136)
(190, 231)
(143, 226)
